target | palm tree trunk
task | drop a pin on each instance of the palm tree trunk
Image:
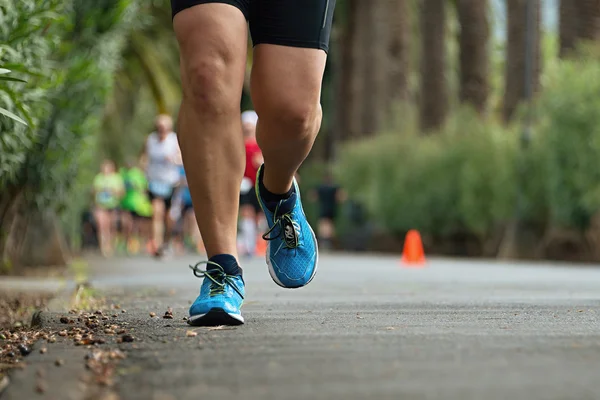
(376, 69)
(589, 19)
(568, 26)
(516, 51)
(434, 91)
(474, 56)
(345, 71)
(359, 63)
(398, 49)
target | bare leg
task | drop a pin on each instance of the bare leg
(103, 221)
(213, 40)
(249, 228)
(158, 225)
(127, 225)
(286, 91)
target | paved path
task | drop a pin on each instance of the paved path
(367, 328)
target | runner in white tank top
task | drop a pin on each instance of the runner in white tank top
(163, 171)
(163, 158)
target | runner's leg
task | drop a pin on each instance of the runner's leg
(102, 223)
(286, 91)
(213, 44)
(291, 41)
(158, 225)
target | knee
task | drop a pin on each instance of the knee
(301, 120)
(209, 84)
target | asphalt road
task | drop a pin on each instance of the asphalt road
(367, 328)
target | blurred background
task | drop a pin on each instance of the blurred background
(475, 122)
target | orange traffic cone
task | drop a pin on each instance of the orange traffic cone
(261, 246)
(413, 254)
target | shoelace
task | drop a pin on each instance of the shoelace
(218, 278)
(288, 230)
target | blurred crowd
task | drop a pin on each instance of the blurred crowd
(146, 206)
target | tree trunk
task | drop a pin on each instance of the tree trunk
(516, 55)
(345, 71)
(359, 64)
(579, 21)
(374, 57)
(28, 238)
(474, 56)
(589, 19)
(398, 49)
(9, 204)
(568, 26)
(434, 91)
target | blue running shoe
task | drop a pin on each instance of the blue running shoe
(292, 252)
(221, 297)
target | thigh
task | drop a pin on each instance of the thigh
(294, 23)
(158, 206)
(286, 81)
(101, 216)
(180, 5)
(212, 39)
(290, 38)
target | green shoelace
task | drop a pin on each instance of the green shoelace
(219, 279)
(288, 230)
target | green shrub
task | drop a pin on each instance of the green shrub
(29, 33)
(70, 50)
(460, 180)
(568, 140)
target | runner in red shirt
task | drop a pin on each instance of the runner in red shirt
(250, 211)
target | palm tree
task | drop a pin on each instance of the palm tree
(345, 69)
(579, 20)
(474, 56)
(516, 52)
(589, 19)
(434, 91)
(146, 84)
(568, 26)
(398, 14)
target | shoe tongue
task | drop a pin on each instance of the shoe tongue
(286, 206)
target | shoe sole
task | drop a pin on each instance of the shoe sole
(215, 317)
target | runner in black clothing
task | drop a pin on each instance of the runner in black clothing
(329, 195)
(290, 40)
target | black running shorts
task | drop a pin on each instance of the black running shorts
(295, 23)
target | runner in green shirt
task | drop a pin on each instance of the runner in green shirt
(108, 189)
(136, 206)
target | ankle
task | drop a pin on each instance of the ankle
(227, 262)
(271, 199)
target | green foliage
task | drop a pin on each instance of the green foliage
(568, 140)
(460, 180)
(146, 83)
(67, 52)
(29, 33)
(465, 178)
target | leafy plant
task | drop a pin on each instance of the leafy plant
(4, 111)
